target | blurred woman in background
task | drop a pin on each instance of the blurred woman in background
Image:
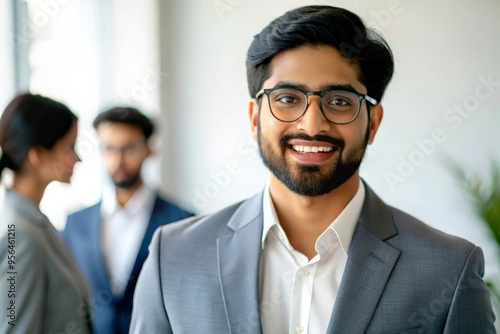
(42, 290)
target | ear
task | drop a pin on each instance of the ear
(36, 155)
(149, 152)
(149, 148)
(253, 113)
(376, 115)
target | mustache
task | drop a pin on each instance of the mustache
(285, 139)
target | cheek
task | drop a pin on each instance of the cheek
(67, 157)
(354, 133)
(271, 128)
(269, 137)
(62, 160)
(132, 163)
(110, 162)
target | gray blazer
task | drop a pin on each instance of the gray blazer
(42, 290)
(401, 276)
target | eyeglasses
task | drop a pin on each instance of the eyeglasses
(338, 106)
(127, 150)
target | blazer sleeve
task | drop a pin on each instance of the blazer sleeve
(149, 314)
(471, 310)
(29, 286)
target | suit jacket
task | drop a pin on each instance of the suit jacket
(401, 276)
(83, 233)
(42, 290)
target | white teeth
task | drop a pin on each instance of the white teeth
(313, 149)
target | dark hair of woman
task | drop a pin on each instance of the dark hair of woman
(24, 125)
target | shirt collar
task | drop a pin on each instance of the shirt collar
(143, 196)
(269, 214)
(341, 229)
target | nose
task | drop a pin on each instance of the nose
(313, 121)
(119, 159)
(72, 158)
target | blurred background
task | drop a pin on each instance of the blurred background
(182, 62)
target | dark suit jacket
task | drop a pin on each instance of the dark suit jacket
(401, 276)
(83, 234)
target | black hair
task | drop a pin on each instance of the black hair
(29, 121)
(126, 115)
(322, 25)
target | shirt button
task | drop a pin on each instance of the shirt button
(299, 329)
(304, 273)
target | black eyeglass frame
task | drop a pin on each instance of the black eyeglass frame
(321, 94)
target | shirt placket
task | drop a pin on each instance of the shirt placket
(303, 285)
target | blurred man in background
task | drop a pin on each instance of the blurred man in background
(110, 239)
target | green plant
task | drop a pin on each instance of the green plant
(485, 196)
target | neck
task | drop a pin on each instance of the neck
(304, 218)
(29, 187)
(123, 195)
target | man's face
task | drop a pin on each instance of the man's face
(312, 156)
(125, 149)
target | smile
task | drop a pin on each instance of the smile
(311, 149)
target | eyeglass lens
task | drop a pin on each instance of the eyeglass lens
(289, 105)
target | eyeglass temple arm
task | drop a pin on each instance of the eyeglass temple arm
(259, 93)
(371, 100)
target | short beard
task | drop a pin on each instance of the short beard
(128, 184)
(311, 182)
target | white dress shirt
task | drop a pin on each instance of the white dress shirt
(123, 232)
(297, 295)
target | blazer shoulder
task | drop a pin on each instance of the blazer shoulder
(31, 239)
(405, 231)
(168, 207)
(200, 228)
(25, 226)
(415, 233)
(85, 212)
(80, 222)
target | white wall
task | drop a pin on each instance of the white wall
(7, 38)
(64, 63)
(6, 55)
(444, 50)
(92, 55)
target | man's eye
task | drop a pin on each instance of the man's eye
(128, 148)
(339, 102)
(287, 99)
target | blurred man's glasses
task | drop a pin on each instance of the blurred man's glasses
(338, 106)
(126, 150)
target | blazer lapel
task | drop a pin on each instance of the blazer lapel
(238, 260)
(97, 255)
(154, 222)
(369, 265)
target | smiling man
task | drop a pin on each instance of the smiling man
(317, 251)
(110, 239)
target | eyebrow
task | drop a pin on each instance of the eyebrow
(324, 87)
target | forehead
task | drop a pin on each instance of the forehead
(314, 67)
(119, 133)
